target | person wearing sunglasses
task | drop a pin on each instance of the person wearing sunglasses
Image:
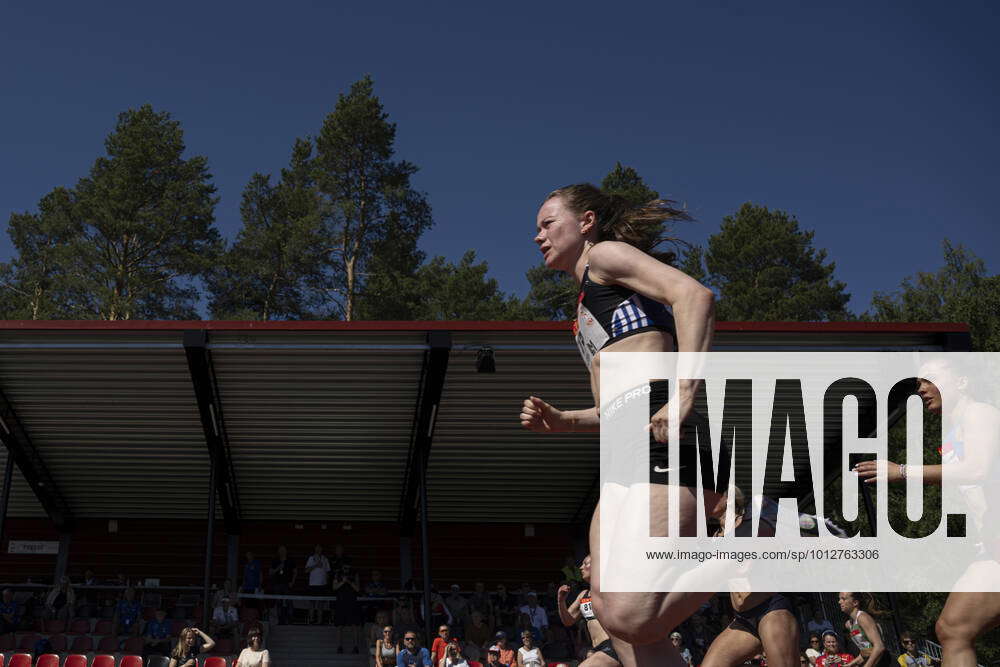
(815, 648)
(412, 654)
(385, 648)
(911, 657)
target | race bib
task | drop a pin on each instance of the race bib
(590, 335)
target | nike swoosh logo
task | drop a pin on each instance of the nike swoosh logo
(659, 469)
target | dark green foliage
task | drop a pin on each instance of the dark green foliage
(371, 212)
(764, 268)
(463, 292)
(272, 269)
(129, 240)
(960, 291)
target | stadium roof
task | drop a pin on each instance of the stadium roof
(319, 420)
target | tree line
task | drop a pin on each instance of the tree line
(335, 236)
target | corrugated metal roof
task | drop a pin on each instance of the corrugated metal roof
(319, 415)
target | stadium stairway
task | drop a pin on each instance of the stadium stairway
(309, 646)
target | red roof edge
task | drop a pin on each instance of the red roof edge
(336, 325)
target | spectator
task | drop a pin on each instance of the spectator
(376, 588)
(819, 626)
(385, 649)
(459, 608)
(440, 614)
(318, 567)
(478, 632)
(254, 655)
(411, 655)
(253, 578)
(61, 600)
(191, 642)
(814, 649)
(537, 617)
(227, 591)
(347, 615)
(156, 635)
(87, 600)
(832, 655)
(339, 559)
(678, 641)
(505, 609)
(127, 612)
(911, 657)
(529, 655)
(804, 660)
(440, 643)
(480, 601)
(88, 578)
(403, 617)
(493, 657)
(225, 619)
(453, 656)
(10, 613)
(507, 654)
(283, 574)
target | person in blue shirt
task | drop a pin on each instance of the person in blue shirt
(252, 580)
(411, 656)
(10, 612)
(157, 635)
(127, 614)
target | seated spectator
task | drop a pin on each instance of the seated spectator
(225, 619)
(157, 635)
(507, 654)
(228, 590)
(191, 642)
(537, 617)
(385, 649)
(478, 632)
(911, 657)
(529, 655)
(10, 613)
(819, 625)
(440, 614)
(832, 655)
(127, 614)
(376, 588)
(678, 641)
(254, 655)
(505, 609)
(403, 616)
(440, 644)
(804, 660)
(459, 608)
(87, 600)
(61, 600)
(411, 655)
(453, 656)
(493, 657)
(814, 649)
(480, 601)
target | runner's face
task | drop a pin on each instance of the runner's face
(558, 235)
(935, 377)
(846, 601)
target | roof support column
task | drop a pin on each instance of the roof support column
(209, 536)
(206, 392)
(8, 478)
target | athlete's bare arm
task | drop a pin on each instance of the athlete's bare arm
(568, 615)
(539, 416)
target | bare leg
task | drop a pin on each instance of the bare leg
(966, 616)
(730, 648)
(779, 633)
(646, 619)
(599, 660)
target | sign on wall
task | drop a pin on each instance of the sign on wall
(32, 547)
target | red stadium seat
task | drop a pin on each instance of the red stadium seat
(131, 661)
(47, 660)
(472, 663)
(103, 661)
(107, 645)
(55, 627)
(134, 645)
(59, 643)
(104, 627)
(82, 644)
(75, 660)
(20, 660)
(215, 661)
(80, 626)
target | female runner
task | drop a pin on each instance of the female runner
(862, 628)
(582, 607)
(970, 451)
(625, 293)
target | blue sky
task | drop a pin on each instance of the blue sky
(875, 126)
